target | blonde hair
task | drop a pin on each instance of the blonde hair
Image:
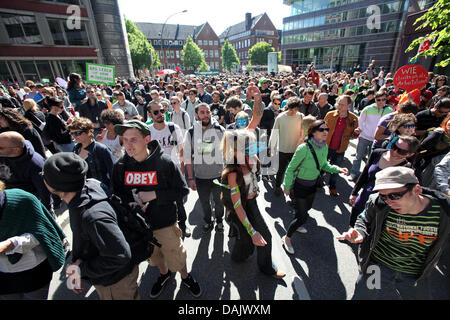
(232, 139)
(30, 104)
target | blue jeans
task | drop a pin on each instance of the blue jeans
(362, 149)
(390, 285)
(336, 159)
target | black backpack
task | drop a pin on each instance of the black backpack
(136, 230)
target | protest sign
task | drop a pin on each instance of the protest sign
(411, 77)
(98, 73)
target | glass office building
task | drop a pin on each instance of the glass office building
(341, 34)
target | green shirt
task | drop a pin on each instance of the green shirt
(304, 161)
(406, 239)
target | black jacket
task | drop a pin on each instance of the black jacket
(156, 173)
(370, 225)
(97, 239)
(25, 172)
(92, 112)
(56, 130)
(100, 161)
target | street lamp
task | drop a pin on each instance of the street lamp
(162, 31)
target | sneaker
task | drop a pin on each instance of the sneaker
(302, 230)
(193, 286)
(208, 226)
(159, 285)
(219, 227)
(288, 249)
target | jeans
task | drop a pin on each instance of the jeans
(382, 283)
(206, 187)
(243, 247)
(284, 159)
(362, 149)
(336, 159)
(304, 198)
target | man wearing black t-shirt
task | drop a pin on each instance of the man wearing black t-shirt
(217, 109)
(432, 118)
(265, 91)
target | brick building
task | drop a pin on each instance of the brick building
(170, 41)
(244, 35)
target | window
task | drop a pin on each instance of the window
(216, 43)
(21, 29)
(77, 37)
(172, 54)
(206, 54)
(57, 30)
(200, 42)
(211, 53)
(210, 42)
(216, 53)
(178, 54)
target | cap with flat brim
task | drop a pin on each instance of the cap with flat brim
(132, 124)
(394, 177)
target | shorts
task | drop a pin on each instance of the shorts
(172, 251)
(125, 289)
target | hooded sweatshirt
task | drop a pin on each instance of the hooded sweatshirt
(97, 238)
(156, 173)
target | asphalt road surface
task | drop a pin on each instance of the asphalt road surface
(322, 268)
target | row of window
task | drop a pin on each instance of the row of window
(387, 8)
(214, 65)
(306, 6)
(23, 29)
(182, 42)
(172, 54)
(385, 27)
(247, 43)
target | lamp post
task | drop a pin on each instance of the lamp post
(162, 30)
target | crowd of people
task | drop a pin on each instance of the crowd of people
(151, 141)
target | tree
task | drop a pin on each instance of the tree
(141, 51)
(192, 55)
(229, 56)
(438, 19)
(258, 53)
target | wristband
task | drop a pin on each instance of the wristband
(251, 231)
(237, 204)
(235, 190)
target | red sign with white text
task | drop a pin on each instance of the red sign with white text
(411, 77)
(141, 178)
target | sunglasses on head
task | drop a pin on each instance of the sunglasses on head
(393, 196)
(155, 112)
(399, 150)
(77, 133)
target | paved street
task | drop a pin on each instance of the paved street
(322, 268)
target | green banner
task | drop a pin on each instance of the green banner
(99, 73)
(206, 73)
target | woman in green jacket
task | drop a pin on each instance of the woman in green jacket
(303, 174)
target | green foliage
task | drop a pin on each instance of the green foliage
(258, 53)
(141, 50)
(229, 56)
(192, 55)
(438, 19)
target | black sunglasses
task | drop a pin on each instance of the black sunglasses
(399, 150)
(323, 129)
(77, 133)
(394, 196)
(155, 112)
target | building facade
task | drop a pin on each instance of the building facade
(50, 39)
(169, 39)
(244, 35)
(345, 34)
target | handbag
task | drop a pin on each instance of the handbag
(320, 182)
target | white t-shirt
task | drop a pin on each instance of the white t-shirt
(169, 142)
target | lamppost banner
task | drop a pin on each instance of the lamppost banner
(98, 73)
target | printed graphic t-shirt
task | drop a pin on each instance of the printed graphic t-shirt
(406, 239)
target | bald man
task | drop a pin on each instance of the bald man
(21, 166)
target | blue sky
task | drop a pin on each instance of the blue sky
(219, 14)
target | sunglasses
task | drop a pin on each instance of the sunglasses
(277, 104)
(393, 196)
(156, 112)
(323, 129)
(77, 133)
(409, 126)
(173, 103)
(399, 150)
(381, 99)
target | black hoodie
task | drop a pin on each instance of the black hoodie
(156, 173)
(97, 238)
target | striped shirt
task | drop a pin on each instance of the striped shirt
(406, 239)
